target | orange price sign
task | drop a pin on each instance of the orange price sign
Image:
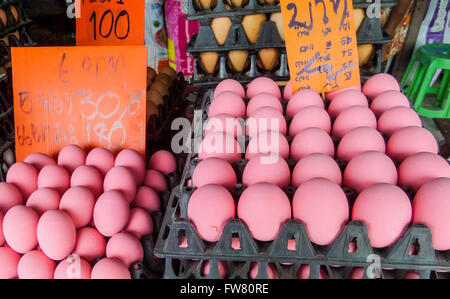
(89, 96)
(321, 44)
(110, 22)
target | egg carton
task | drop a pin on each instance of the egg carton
(178, 240)
(196, 12)
(13, 24)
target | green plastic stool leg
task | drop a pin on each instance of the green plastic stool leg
(443, 89)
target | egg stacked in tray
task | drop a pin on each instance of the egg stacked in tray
(13, 33)
(245, 39)
(309, 189)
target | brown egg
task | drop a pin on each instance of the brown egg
(170, 72)
(359, 15)
(152, 109)
(252, 25)
(238, 60)
(268, 2)
(162, 88)
(277, 19)
(9, 157)
(208, 61)
(16, 34)
(151, 74)
(220, 27)
(206, 4)
(237, 3)
(364, 53)
(384, 15)
(3, 17)
(164, 78)
(6, 40)
(15, 13)
(155, 97)
(269, 58)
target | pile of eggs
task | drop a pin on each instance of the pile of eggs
(80, 216)
(158, 86)
(362, 118)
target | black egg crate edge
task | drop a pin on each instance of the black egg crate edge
(374, 65)
(253, 7)
(176, 228)
(13, 25)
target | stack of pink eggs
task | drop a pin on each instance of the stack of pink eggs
(80, 216)
(361, 119)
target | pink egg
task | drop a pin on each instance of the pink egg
(44, 199)
(79, 203)
(387, 100)
(266, 119)
(287, 93)
(386, 212)
(209, 209)
(90, 244)
(2, 236)
(126, 248)
(398, 118)
(110, 268)
(310, 117)
(227, 102)
(9, 259)
(230, 85)
(263, 100)
(163, 161)
(323, 208)
(409, 141)
(156, 180)
(223, 269)
(54, 177)
(357, 273)
(89, 177)
(302, 99)
(411, 275)
(147, 199)
(264, 208)
(267, 168)
(304, 270)
(379, 83)
(311, 141)
(56, 234)
(214, 171)
(268, 142)
(332, 94)
(353, 117)
(121, 178)
(272, 272)
(35, 265)
(346, 99)
(431, 207)
(111, 213)
(71, 157)
(369, 168)
(421, 168)
(39, 160)
(220, 145)
(224, 123)
(24, 177)
(134, 161)
(73, 267)
(359, 140)
(19, 228)
(316, 166)
(10, 196)
(102, 159)
(140, 223)
(263, 85)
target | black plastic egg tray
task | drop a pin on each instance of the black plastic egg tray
(176, 228)
(12, 24)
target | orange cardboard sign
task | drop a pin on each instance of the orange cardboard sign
(110, 22)
(321, 44)
(89, 96)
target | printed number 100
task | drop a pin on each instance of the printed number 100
(107, 18)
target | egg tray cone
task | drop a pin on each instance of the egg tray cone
(176, 228)
(12, 25)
